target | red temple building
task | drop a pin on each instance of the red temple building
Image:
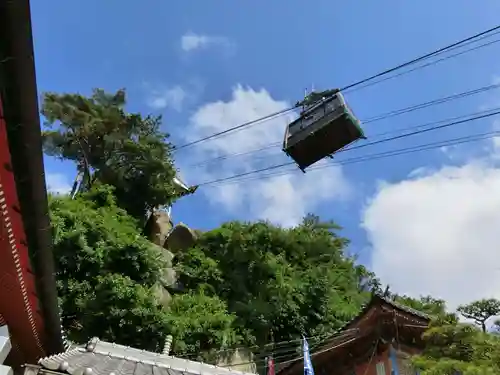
(28, 299)
(378, 341)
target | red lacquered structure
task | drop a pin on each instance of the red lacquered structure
(28, 298)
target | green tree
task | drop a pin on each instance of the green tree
(480, 311)
(458, 348)
(201, 324)
(425, 304)
(125, 150)
(105, 276)
(104, 271)
(280, 283)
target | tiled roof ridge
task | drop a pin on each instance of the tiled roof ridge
(363, 310)
(404, 307)
(58, 356)
(92, 347)
(365, 307)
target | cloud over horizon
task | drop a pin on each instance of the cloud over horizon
(436, 231)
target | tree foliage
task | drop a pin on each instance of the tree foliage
(280, 283)
(105, 274)
(453, 347)
(201, 324)
(480, 311)
(124, 150)
(425, 304)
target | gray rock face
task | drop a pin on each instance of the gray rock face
(158, 227)
(239, 359)
(168, 277)
(161, 294)
(180, 238)
(169, 240)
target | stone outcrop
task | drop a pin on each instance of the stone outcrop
(161, 231)
(158, 227)
(168, 277)
(169, 239)
(180, 238)
(239, 359)
(161, 294)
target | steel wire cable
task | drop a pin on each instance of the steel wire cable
(281, 347)
(274, 167)
(382, 155)
(471, 39)
(372, 119)
(432, 63)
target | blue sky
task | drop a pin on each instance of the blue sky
(240, 60)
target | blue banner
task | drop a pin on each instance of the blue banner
(308, 368)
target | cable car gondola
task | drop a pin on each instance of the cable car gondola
(325, 126)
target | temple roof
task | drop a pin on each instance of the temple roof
(104, 358)
(362, 325)
(378, 300)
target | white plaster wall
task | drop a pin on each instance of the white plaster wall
(5, 347)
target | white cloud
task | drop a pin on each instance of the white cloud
(191, 41)
(173, 97)
(496, 141)
(283, 199)
(176, 97)
(57, 183)
(438, 233)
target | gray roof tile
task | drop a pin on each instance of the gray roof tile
(103, 358)
(408, 309)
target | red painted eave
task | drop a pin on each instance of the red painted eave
(22, 174)
(18, 298)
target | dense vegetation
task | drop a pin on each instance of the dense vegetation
(458, 348)
(280, 283)
(243, 283)
(106, 273)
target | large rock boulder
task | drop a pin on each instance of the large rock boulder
(169, 239)
(168, 278)
(162, 295)
(158, 227)
(180, 238)
(240, 360)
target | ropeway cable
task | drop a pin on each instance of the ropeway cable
(238, 127)
(372, 119)
(274, 167)
(351, 86)
(432, 62)
(421, 58)
(381, 155)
